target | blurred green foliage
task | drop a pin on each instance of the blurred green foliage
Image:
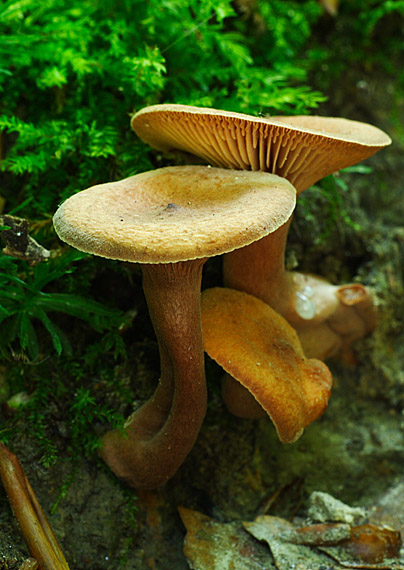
(71, 75)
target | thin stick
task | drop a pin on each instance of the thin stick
(34, 526)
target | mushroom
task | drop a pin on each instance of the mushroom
(170, 221)
(344, 314)
(302, 149)
(261, 351)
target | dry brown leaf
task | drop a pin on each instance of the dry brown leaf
(213, 545)
(287, 555)
(389, 510)
(369, 546)
(308, 547)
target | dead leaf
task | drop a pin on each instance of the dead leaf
(308, 547)
(389, 510)
(287, 555)
(213, 545)
(318, 534)
(326, 508)
(369, 546)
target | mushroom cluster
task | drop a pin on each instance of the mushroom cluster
(170, 221)
(302, 149)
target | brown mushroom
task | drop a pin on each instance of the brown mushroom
(257, 347)
(303, 149)
(344, 314)
(170, 220)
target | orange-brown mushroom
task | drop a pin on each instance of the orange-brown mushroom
(257, 347)
(302, 149)
(170, 221)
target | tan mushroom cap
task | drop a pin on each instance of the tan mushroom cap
(302, 149)
(175, 214)
(260, 349)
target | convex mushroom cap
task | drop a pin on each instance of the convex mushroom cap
(257, 347)
(302, 149)
(175, 214)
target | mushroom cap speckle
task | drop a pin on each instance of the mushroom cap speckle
(175, 214)
(302, 149)
(258, 347)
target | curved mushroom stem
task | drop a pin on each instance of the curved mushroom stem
(157, 438)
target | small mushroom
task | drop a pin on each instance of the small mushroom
(349, 314)
(258, 348)
(170, 221)
(302, 149)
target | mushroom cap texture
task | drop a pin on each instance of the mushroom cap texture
(175, 214)
(261, 350)
(302, 149)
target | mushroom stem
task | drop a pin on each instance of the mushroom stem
(259, 269)
(158, 437)
(327, 318)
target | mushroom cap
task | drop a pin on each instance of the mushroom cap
(258, 347)
(302, 149)
(175, 214)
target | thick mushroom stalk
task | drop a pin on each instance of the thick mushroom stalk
(302, 149)
(157, 438)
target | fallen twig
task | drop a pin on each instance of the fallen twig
(34, 526)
